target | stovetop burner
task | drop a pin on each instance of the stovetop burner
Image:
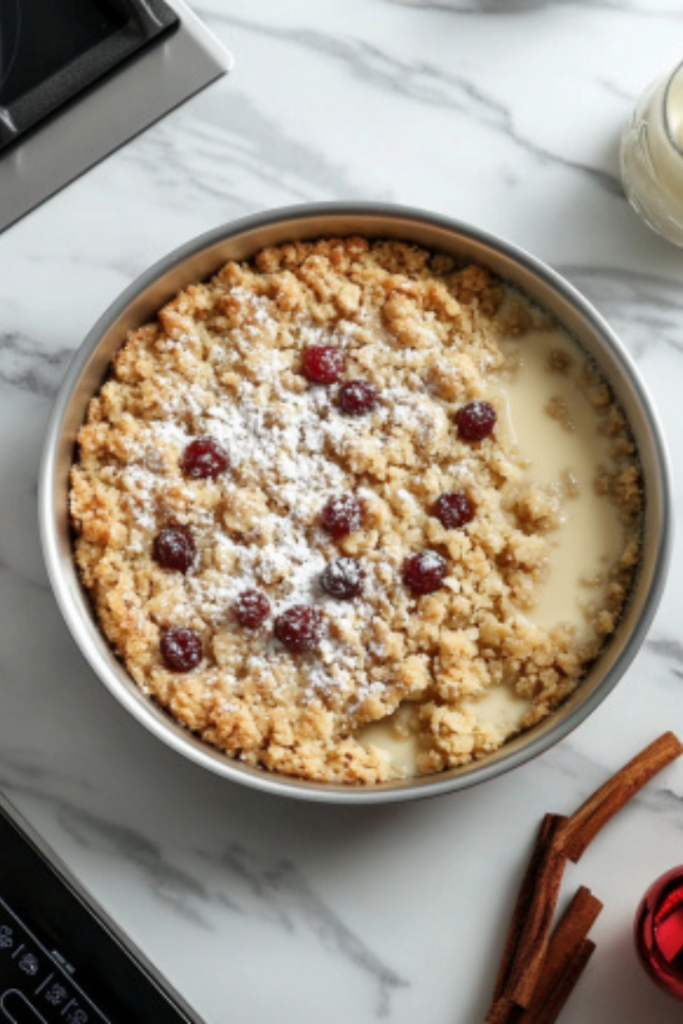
(79, 78)
(51, 50)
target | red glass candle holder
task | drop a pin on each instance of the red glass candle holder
(659, 931)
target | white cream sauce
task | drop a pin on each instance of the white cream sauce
(586, 545)
(394, 736)
(499, 706)
(591, 537)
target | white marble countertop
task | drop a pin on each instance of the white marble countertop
(504, 113)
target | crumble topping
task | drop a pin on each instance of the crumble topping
(259, 362)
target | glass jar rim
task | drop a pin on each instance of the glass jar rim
(678, 70)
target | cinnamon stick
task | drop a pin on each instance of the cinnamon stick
(526, 888)
(583, 826)
(529, 930)
(554, 1004)
(563, 951)
(536, 977)
(503, 1011)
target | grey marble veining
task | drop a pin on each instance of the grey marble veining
(270, 888)
(284, 895)
(508, 7)
(646, 311)
(28, 367)
(261, 908)
(423, 82)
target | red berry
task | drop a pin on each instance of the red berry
(299, 628)
(357, 397)
(476, 420)
(342, 578)
(251, 608)
(453, 510)
(181, 648)
(424, 571)
(342, 514)
(174, 548)
(204, 457)
(322, 364)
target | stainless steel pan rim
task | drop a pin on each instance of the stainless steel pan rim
(198, 259)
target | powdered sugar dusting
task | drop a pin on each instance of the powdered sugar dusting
(284, 442)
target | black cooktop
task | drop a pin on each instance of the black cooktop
(52, 50)
(62, 960)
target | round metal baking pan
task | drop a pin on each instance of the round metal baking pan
(239, 240)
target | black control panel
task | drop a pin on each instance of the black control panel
(62, 960)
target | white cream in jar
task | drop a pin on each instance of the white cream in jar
(652, 157)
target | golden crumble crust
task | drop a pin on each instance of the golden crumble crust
(223, 359)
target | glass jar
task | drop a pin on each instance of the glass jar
(652, 157)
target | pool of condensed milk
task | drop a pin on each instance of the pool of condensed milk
(591, 536)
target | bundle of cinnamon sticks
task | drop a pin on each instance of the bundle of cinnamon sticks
(539, 968)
